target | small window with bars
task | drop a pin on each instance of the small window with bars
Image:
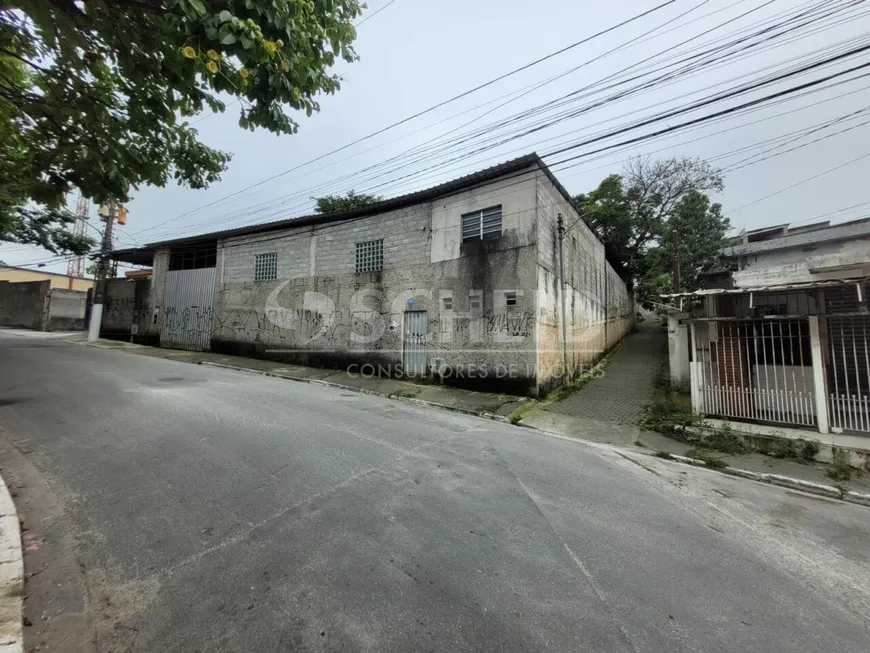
(370, 256)
(482, 224)
(266, 266)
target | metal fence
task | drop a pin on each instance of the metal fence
(848, 372)
(757, 369)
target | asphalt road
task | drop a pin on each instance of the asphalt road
(210, 510)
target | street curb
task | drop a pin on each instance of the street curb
(11, 576)
(783, 481)
(340, 386)
(856, 497)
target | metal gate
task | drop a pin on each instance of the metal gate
(847, 359)
(414, 342)
(755, 369)
(187, 309)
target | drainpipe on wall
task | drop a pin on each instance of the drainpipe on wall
(560, 228)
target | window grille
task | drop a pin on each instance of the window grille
(266, 266)
(482, 224)
(370, 256)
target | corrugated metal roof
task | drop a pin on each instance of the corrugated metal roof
(135, 255)
(771, 289)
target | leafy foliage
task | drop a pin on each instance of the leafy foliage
(648, 211)
(94, 95)
(337, 203)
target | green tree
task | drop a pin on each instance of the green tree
(99, 93)
(644, 213)
(337, 203)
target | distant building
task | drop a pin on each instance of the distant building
(785, 339)
(61, 281)
(460, 281)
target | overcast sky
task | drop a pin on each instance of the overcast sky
(417, 53)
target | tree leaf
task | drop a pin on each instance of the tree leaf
(198, 6)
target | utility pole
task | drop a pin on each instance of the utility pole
(102, 273)
(676, 263)
(560, 228)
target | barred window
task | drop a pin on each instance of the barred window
(266, 266)
(370, 256)
(482, 224)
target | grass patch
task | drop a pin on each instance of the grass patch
(722, 439)
(670, 410)
(713, 462)
(800, 449)
(840, 469)
(519, 412)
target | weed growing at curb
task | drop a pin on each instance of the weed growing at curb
(722, 439)
(840, 469)
(519, 412)
(711, 461)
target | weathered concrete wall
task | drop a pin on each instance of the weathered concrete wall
(599, 310)
(24, 304)
(320, 311)
(66, 310)
(128, 310)
(61, 281)
(810, 262)
(159, 267)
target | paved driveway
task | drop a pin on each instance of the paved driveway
(206, 510)
(622, 392)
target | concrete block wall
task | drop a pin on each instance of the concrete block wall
(599, 309)
(128, 308)
(320, 311)
(24, 304)
(66, 310)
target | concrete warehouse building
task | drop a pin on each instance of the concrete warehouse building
(460, 280)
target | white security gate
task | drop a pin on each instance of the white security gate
(187, 309)
(847, 358)
(414, 342)
(755, 370)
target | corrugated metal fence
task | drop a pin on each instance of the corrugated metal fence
(187, 309)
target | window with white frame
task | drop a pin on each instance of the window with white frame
(474, 301)
(266, 266)
(447, 303)
(482, 224)
(370, 256)
(510, 298)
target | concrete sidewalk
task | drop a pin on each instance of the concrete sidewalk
(11, 575)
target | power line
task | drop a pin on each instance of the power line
(370, 16)
(436, 106)
(801, 182)
(274, 201)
